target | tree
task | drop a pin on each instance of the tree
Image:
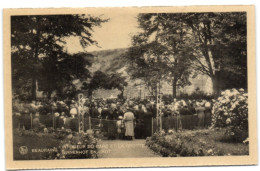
(177, 45)
(160, 51)
(116, 80)
(38, 53)
(106, 81)
(98, 80)
(219, 41)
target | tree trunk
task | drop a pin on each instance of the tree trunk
(36, 51)
(174, 87)
(33, 90)
(215, 85)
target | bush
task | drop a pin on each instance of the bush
(45, 109)
(197, 95)
(67, 145)
(230, 111)
(78, 146)
(179, 144)
(194, 143)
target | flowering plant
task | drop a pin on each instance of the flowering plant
(77, 146)
(230, 111)
(183, 144)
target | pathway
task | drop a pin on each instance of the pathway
(124, 149)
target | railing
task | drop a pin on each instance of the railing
(149, 126)
(178, 123)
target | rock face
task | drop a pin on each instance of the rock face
(110, 61)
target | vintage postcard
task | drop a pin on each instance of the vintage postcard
(130, 87)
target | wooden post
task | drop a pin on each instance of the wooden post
(152, 125)
(80, 112)
(31, 120)
(177, 123)
(160, 121)
(89, 121)
(53, 120)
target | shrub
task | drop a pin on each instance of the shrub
(78, 146)
(230, 111)
(194, 143)
(180, 144)
(198, 95)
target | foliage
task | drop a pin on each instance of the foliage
(172, 46)
(45, 109)
(192, 143)
(78, 146)
(160, 52)
(65, 145)
(219, 42)
(38, 53)
(197, 95)
(106, 81)
(231, 111)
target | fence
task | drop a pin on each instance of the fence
(176, 122)
(148, 126)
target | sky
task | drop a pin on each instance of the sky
(116, 33)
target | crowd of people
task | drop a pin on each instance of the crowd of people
(130, 118)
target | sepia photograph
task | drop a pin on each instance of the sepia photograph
(149, 84)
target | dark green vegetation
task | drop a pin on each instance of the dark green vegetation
(39, 57)
(173, 47)
(34, 142)
(195, 143)
(61, 144)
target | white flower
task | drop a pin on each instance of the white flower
(56, 114)
(170, 131)
(241, 90)
(228, 121)
(228, 92)
(207, 104)
(241, 98)
(210, 151)
(246, 140)
(235, 91)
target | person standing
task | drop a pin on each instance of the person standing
(201, 115)
(208, 114)
(139, 115)
(129, 124)
(120, 127)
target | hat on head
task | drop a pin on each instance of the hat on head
(207, 104)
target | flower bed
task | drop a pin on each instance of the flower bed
(78, 146)
(61, 144)
(194, 143)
